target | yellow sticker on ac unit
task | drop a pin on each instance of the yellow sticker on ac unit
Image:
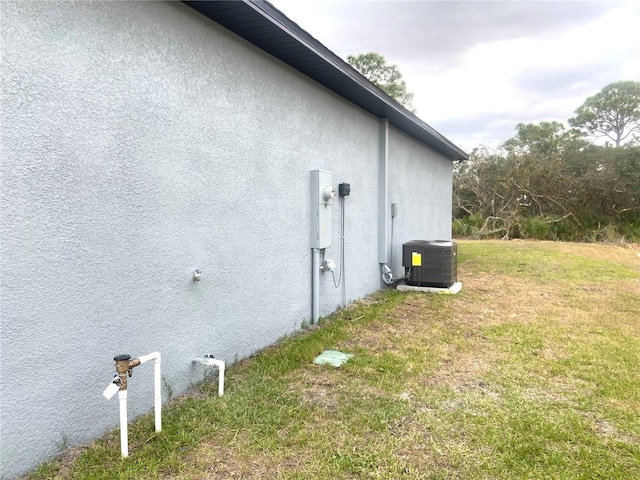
(416, 259)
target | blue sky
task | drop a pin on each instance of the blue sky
(479, 68)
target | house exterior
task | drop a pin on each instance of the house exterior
(142, 141)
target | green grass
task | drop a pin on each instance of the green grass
(532, 371)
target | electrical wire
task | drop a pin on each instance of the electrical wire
(340, 278)
(342, 260)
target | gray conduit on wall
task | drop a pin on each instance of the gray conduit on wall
(315, 286)
(383, 204)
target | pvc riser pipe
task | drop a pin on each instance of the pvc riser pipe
(215, 363)
(157, 386)
(157, 403)
(124, 431)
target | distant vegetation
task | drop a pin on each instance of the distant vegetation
(385, 76)
(553, 183)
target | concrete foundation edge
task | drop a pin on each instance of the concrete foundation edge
(452, 290)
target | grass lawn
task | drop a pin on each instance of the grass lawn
(532, 371)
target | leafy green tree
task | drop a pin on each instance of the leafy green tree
(542, 139)
(614, 112)
(548, 183)
(384, 76)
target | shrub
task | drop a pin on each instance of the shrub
(535, 227)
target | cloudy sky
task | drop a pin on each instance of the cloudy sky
(479, 68)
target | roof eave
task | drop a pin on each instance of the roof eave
(281, 37)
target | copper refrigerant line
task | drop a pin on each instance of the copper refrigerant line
(124, 368)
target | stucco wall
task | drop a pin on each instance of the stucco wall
(141, 141)
(419, 182)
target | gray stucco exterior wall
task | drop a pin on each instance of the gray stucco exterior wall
(142, 141)
(420, 183)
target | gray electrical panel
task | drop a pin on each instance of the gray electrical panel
(322, 195)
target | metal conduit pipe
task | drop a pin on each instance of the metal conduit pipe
(383, 196)
(315, 286)
(210, 360)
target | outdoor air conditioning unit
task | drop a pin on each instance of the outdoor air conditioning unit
(430, 263)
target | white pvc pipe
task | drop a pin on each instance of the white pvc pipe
(157, 386)
(157, 405)
(124, 432)
(217, 363)
(315, 286)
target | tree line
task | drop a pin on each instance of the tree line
(557, 183)
(548, 181)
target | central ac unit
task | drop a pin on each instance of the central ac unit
(430, 263)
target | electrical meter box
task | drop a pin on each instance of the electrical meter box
(322, 195)
(430, 263)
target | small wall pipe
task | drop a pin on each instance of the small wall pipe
(315, 286)
(209, 360)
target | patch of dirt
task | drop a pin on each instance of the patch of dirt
(561, 391)
(324, 387)
(605, 429)
(509, 299)
(422, 450)
(321, 388)
(213, 461)
(365, 301)
(462, 371)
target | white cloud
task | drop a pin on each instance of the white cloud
(525, 62)
(486, 82)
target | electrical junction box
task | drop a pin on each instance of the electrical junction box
(430, 263)
(322, 195)
(394, 209)
(344, 189)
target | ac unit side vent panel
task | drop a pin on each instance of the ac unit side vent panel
(430, 263)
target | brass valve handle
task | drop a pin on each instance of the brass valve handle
(133, 363)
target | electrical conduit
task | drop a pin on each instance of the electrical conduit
(383, 196)
(315, 286)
